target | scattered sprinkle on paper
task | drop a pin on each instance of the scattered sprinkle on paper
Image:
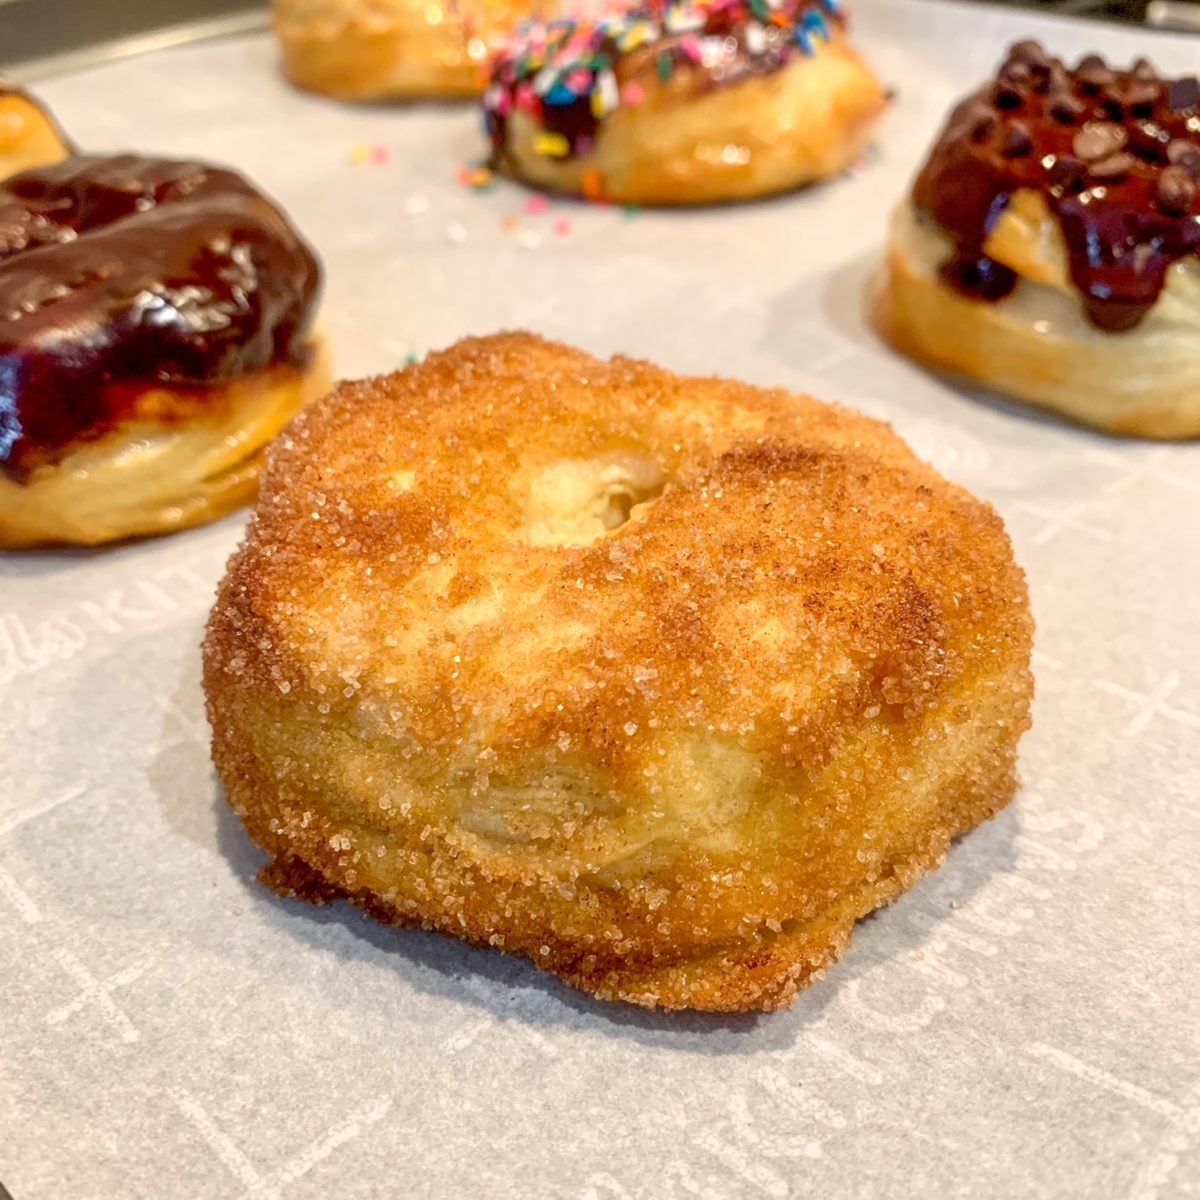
(478, 179)
(368, 152)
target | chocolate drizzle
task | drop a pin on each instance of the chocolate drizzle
(1116, 154)
(119, 274)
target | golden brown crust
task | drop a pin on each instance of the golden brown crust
(661, 682)
(29, 136)
(175, 461)
(392, 49)
(1037, 344)
(805, 122)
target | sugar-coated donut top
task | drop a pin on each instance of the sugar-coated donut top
(568, 75)
(517, 550)
(119, 274)
(1115, 154)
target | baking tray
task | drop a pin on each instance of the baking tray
(40, 38)
(1025, 1022)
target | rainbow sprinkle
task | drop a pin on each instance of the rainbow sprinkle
(368, 152)
(564, 73)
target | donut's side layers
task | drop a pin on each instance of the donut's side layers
(1036, 345)
(159, 473)
(360, 51)
(601, 938)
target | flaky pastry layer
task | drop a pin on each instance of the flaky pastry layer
(177, 461)
(392, 49)
(1037, 344)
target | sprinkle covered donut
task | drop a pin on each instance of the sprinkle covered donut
(682, 102)
(661, 682)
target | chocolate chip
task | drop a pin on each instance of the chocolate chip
(1094, 74)
(1175, 191)
(981, 119)
(1030, 52)
(1059, 79)
(1183, 94)
(1098, 139)
(1017, 141)
(1030, 58)
(1140, 98)
(1016, 73)
(1149, 142)
(1112, 105)
(1065, 108)
(1143, 70)
(1185, 154)
(1113, 168)
(1067, 173)
(1007, 97)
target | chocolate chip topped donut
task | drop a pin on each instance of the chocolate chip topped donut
(155, 331)
(1115, 155)
(682, 101)
(1062, 205)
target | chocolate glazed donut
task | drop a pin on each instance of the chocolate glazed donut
(165, 306)
(1050, 244)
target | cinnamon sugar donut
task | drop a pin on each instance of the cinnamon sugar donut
(393, 49)
(661, 682)
(682, 101)
(155, 334)
(1050, 248)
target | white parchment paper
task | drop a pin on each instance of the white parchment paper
(1026, 1022)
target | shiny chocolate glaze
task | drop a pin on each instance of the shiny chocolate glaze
(1116, 154)
(125, 273)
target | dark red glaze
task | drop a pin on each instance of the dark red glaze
(119, 274)
(1115, 153)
